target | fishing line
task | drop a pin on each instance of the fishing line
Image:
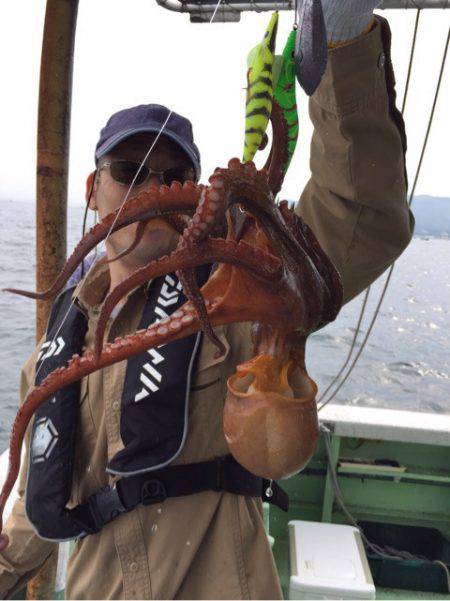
(86, 208)
(352, 346)
(363, 308)
(127, 194)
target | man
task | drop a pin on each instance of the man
(212, 545)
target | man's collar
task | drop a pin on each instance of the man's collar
(92, 289)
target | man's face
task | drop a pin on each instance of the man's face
(108, 195)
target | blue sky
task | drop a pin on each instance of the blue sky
(125, 57)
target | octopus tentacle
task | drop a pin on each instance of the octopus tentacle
(211, 210)
(178, 222)
(278, 155)
(137, 238)
(156, 202)
(184, 324)
(257, 262)
(321, 261)
(254, 192)
(275, 276)
(191, 290)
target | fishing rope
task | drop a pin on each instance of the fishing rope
(127, 194)
(387, 281)
(384, 551)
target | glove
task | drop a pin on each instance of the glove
(347, 19)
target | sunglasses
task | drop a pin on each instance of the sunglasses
(129, 172)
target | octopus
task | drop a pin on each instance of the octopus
(270, 271)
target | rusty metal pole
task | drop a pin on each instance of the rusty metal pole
(53, 136)
(55, 94)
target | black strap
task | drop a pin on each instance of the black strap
(174, 481)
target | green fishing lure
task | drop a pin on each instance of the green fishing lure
(284, 94)
(258, 104)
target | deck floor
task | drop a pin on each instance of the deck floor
(394, 593)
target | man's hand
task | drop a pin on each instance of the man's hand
(347, 19)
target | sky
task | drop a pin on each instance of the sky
(136, 52)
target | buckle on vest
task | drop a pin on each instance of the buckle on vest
(105, 505)
(153, 491)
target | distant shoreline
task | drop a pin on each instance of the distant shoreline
(432, 214)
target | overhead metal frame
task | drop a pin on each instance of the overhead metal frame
(230, 10)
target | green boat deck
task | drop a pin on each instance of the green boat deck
(393, 472)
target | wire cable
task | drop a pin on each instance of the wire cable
(352, 346)
(411, 58)
(430, 120)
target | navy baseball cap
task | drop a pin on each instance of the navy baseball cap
(149, 118)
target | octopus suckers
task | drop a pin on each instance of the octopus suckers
(162, 330)
(234, 163)
(187, 319)
(175, 325)
(214, 196)
(217, 183)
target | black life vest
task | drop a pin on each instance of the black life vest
(154, 407)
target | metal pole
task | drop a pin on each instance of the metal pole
(55, 91)
(387, 4)
(230, 9)
(55, 96)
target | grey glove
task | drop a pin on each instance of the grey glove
(347, 19)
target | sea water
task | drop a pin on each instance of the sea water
(405, 364)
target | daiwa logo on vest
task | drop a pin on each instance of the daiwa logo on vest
(54, 348)
(150, 377)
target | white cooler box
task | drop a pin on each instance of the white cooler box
(328, 561)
